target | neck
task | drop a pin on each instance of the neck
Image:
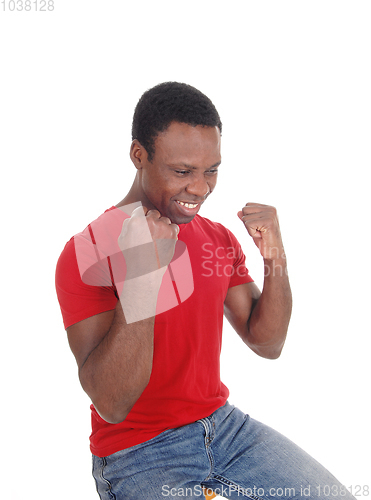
(136, 194)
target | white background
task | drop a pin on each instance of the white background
(291, 80)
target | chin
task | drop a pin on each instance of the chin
(184, 220)
(181, 219)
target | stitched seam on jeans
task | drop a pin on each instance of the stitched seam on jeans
(212, 433)
(207, 442)
(109, 485)
(241, 491)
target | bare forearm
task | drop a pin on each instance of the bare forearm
(269, 320)
(118, 369)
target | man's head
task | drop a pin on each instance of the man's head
(171, 102)
(176, 150)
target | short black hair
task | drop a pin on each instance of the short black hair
(171, 102)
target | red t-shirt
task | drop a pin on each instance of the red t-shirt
(185, 382)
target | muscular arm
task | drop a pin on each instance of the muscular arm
(262, 319)
(114, 360)
(114, 350)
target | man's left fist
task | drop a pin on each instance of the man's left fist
(261, 222)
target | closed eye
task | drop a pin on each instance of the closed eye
(185, 172)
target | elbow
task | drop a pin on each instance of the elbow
(267, 351)
(113, 408)
(273, 354)
(113, 412)
(268, 346)
(112, 415)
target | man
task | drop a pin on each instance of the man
(143, 290)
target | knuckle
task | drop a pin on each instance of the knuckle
(166, 220)
(153, 213)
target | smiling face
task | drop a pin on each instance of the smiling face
(183, 171)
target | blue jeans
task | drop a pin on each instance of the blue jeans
(228, 452)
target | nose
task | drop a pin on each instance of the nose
(198, 188)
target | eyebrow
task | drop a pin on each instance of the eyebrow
(185, 165)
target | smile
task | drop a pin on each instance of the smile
(187, 205)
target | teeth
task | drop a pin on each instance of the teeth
(188, 205)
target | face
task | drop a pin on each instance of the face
(183, 171)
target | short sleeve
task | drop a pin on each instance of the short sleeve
(78, 299)
(240, 274)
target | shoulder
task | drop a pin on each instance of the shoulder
(66, 261)
(83, 277)
(105, 227)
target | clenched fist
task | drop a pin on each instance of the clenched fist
(261, 222)
(147, 241)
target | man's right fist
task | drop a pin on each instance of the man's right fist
(147, 242)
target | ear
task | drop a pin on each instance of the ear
(138, 154)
